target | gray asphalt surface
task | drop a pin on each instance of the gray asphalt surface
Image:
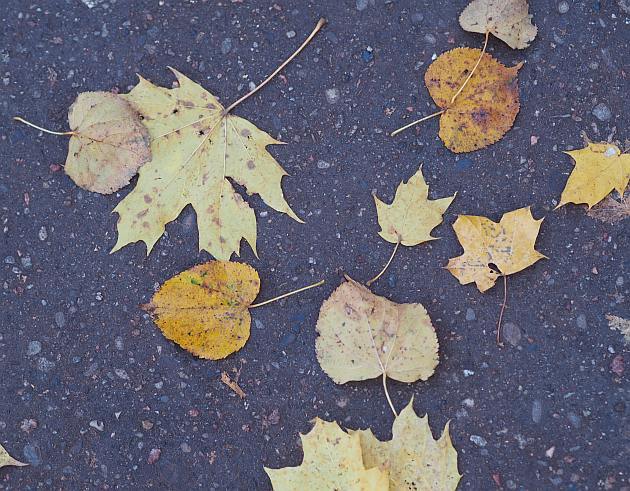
(89, 386)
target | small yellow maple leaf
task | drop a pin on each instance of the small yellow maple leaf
(487, 105)
(509, 20)
(332, 460)
(413, 458)
(507, 246)
(599, 169)
(411, 216)
(205, 309)
(6, 459)
(196, 147)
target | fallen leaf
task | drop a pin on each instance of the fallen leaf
(620, 324)
(411, 216)
(109, 143)
(599, 169)
(232, 384)
(611, 211)
(196, 147)
(509, 20)
(363, 336)
(205, 309)
(413, 458)
(332, 461)
(486, 107)
(507, 246)
(6, 459)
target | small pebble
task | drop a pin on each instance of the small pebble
(322, 164)
(291, 34)
(42, 234)
(34, 348)
(417, 18)
(259, 324)
(332, 95)
(478, 440)
(563, 7)
(574, 419)
(45, 365)
(26, 261)
(60, 319)
(470, 315)
(536, 411)
(430, 38)
(512, 333)
(361, 5)
(602, 112)
(154, 455)
(367, 55)
(581, 322)
(226, 46)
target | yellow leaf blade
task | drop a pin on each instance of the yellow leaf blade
(332, 460)
(487, 106)
(196, 147)
(109, 143)
(411, 216)
(508, 245)
(6, 459)
(599, 169)
(509, 20)
(362, 336)
(205, 309)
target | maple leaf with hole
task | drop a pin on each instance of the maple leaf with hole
(411, 216)
(363, 336)
(509, 20)
(332, 460)
(196, 148)
(205, 308)
(486, 107)
(599, 169)
(507, 246)
(412, 457)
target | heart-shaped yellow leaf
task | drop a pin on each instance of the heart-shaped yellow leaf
(509, 20)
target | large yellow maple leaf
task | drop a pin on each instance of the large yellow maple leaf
(599, 169)
(196, 146)
(413, 458)
(332, 460)
(507, 246)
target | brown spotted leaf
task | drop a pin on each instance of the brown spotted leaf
(197, 148)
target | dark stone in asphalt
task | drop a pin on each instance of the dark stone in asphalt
(107, 363)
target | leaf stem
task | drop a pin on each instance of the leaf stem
(288, 294)
(391, 404)
(22, 120)
(395, 132)
(321, 23)
(385, 267)
(485, 45)
(502, 309)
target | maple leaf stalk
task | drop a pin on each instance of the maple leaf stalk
(437, 113)
(284, 295)
(499, 323)
(321, 23)
(28, 123)
(386, 265)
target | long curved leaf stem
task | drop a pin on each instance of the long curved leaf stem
(284, 295)
(485, 45)
(391, 404)
(62, 133)
(413, 123)
(499, 323)
(321, 23)
(385, 267)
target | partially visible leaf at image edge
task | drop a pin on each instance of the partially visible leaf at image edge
(6, 459)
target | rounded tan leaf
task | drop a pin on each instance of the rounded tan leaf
(362, 336)
(487, 106)
(509, 20)
(109, 142)
(205, 309)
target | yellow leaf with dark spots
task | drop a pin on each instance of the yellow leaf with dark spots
(494, 249)
(487, 106)
(205, 309)
(197, 148)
